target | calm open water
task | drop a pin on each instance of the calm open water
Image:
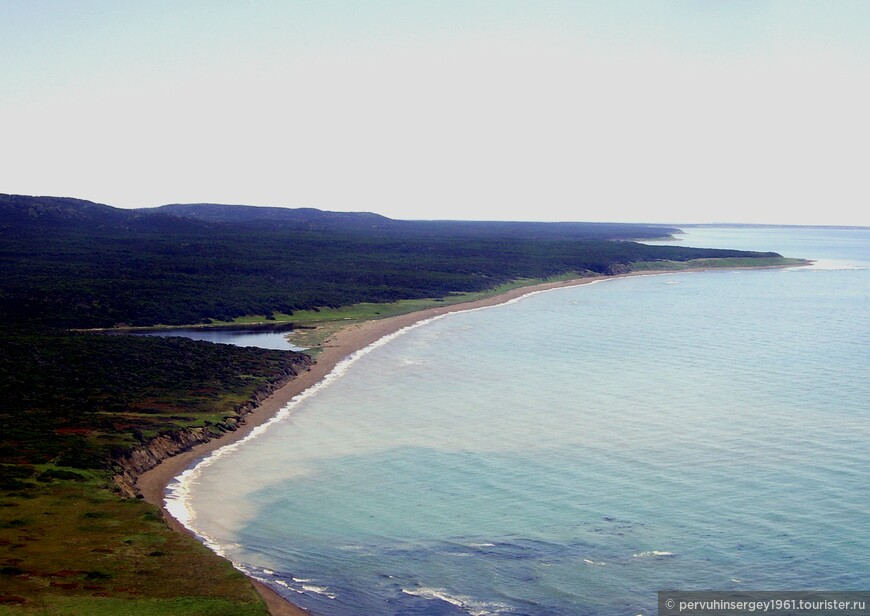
(575, 451)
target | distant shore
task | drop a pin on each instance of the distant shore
(356, 336)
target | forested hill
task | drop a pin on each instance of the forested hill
(313, 219)
(21, 214)
(27, 215)
(72, 263)
(299, 218)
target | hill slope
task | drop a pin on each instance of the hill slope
(310, 218)
(21, 214)
(314, 219)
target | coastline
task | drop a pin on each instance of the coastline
(153, 483)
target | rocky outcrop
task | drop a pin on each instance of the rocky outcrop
(131, 464)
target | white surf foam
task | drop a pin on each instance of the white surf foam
(468, 604)
(653, 554)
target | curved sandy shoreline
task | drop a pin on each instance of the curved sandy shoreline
(153, 483)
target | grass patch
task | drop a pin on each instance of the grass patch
(317, 326)
(123, 560)
(380, 310)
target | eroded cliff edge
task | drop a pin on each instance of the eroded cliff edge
(130, 465)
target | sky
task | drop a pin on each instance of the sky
(687, 111)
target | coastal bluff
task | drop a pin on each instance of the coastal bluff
(131, 464)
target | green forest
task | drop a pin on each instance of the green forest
(72, 264)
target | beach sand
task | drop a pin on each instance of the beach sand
(356, 336)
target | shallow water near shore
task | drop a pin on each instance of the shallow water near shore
(577, 450)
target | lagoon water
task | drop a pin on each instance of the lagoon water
(263, 339)
(575, 451)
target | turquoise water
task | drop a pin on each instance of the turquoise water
(575, 451)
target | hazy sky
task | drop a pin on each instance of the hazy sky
(644, 110)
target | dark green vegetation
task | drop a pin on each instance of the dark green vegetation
(77, 264)
(74, 405)
(81, 400)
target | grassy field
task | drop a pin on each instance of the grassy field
(370, 310)
(70, 545)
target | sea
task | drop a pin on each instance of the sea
(574, 451)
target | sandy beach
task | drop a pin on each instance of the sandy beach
(356, 336)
